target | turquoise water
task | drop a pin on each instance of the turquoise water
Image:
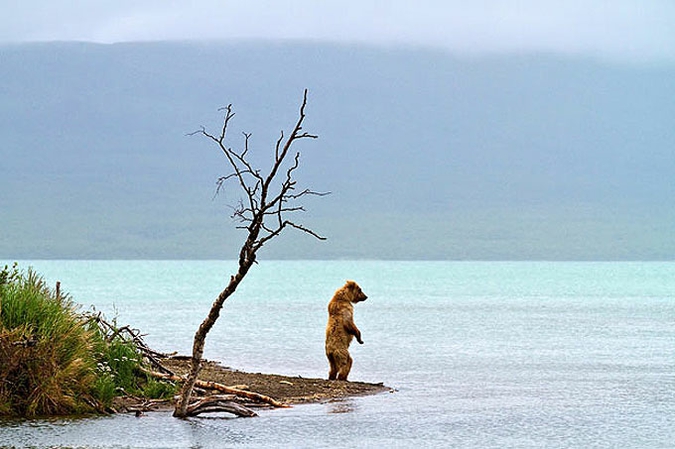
(482, 354)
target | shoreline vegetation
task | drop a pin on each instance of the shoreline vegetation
(56, 360)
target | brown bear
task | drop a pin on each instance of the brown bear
(341, 329)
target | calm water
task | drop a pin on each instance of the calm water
(482, 354)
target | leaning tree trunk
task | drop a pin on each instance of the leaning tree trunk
(181, 410)
(267, 202)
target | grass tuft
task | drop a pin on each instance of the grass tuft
(55, 360)
(46, 363)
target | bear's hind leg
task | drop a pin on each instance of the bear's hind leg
(345, 369)
(332, 374)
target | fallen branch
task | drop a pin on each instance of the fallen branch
(215, 404)
(222, 388)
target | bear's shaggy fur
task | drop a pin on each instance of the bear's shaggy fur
(341, 329)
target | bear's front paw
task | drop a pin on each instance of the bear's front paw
(360, 341)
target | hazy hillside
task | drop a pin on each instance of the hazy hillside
(427, 155)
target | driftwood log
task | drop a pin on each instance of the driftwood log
(215, 404)
(220, 403)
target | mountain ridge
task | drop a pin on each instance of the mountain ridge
(428, 155)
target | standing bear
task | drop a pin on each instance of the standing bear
(341, 329)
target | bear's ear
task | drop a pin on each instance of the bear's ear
(350, 284)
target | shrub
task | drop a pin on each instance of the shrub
(54, 360)
(46, 360)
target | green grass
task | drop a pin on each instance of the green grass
(46, 363)
(155, 389)
(55, 360)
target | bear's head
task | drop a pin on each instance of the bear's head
(354, 292)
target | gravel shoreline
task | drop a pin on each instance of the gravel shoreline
(290, 390)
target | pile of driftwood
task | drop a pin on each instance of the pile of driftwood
(211, 397)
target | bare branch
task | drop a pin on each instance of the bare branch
(277, 146)
(305, 230)
(246, 137)
(228, 116)
(307, 192)
(202, 130)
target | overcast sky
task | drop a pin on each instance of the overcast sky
(624, 30)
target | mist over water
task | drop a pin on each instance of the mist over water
(509, 354)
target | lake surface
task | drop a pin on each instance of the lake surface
(482, 354)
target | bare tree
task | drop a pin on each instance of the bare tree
(268, 201)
